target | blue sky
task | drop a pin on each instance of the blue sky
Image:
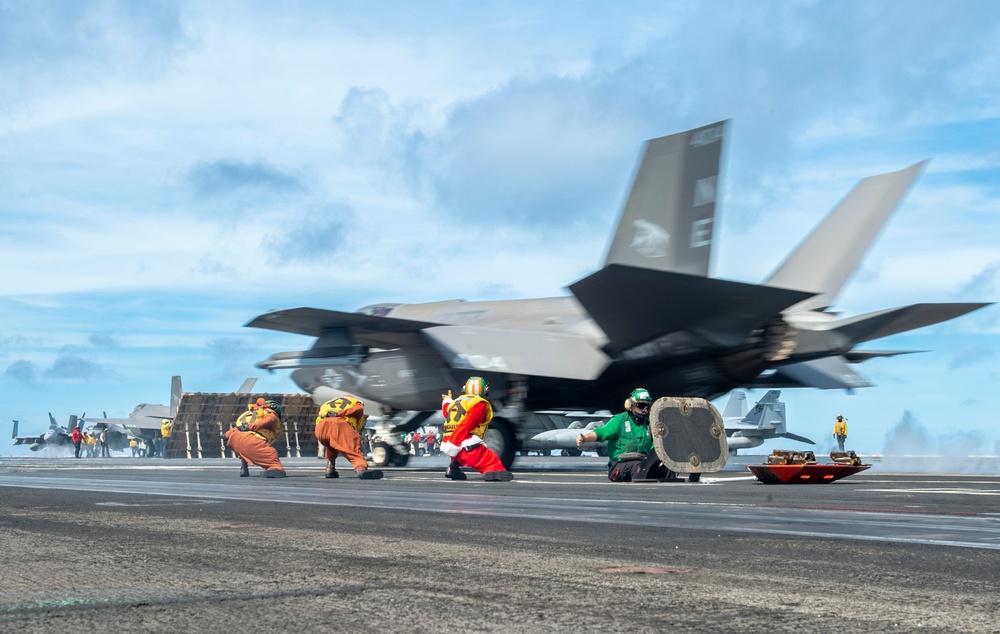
(172, 169)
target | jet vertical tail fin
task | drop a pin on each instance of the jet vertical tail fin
(736, 406)
(828, 256)
(768, 413)
(247, 386)
(175, 395)
(667, 222)
(14, 435)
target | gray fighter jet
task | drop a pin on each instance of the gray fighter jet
(55, 436)
(145, 421)
(649, 317)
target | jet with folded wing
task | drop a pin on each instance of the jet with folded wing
(55, 436)
(651, 316)
(145, 421)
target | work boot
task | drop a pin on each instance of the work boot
(498, 476)
(274, 473)
(454, 473)
(368, 474)
(331, 472)
(244, 469)
(671, 477)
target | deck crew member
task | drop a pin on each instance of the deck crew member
(466, 419)
(338, 428)
(840, 431)
(252, 441)
(630, 445)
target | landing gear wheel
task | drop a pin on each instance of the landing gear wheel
(572, 452)
(383, 455)
(500, 438)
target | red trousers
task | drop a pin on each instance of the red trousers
(337, 435)
(253, 449)
(481, 458)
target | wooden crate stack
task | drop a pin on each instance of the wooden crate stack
(203, 419)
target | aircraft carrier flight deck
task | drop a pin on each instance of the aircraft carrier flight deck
(166, 545)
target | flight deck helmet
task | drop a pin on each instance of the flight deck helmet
(639, 400)
(273, 406)
(476, 385)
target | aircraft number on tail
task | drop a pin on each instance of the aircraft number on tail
(701, 232)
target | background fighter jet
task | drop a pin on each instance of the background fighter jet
(744, 429)
(650, 316)
(145, 421)
(55, 436)
(747, 429)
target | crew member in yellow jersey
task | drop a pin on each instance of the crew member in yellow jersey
(243, 423)
(252, 440)
(338, 429)
(840, 431)
(465, 421)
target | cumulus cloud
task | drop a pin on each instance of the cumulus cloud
(985, 283)
(316, 236)
(22, 371)
(73, 368)
(226, 176)
(103, 340)
(54, 43)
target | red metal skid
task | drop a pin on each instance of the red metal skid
(803, 473)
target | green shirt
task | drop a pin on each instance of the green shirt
(624, 435)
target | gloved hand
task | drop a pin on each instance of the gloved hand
(243, 427)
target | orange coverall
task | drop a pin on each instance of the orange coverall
(254, 445)
(338, 432)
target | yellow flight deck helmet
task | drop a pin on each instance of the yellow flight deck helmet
(476, 385)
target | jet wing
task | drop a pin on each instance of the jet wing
(789, 435)
(314, 322)
(828, 373)
(896, 320)
(122, 424)
(526, 352)
(857, 356)
(634, 305)
(28, 440)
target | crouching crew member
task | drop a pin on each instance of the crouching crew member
(630, 445)
(252, 440)
(338, 428)
(243, 423)
(465, 421)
